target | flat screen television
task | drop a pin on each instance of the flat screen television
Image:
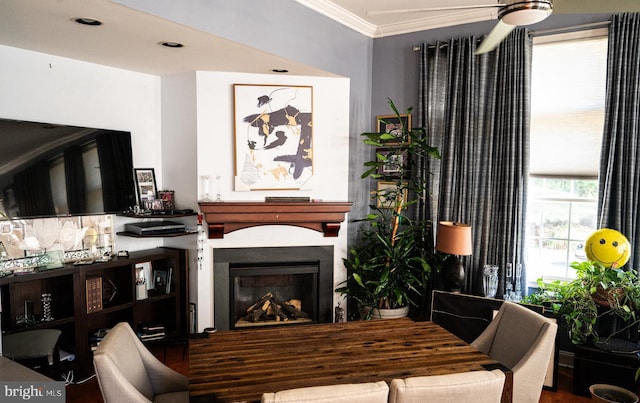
(55, 170)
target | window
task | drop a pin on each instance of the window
(561, 215)
(567, 120)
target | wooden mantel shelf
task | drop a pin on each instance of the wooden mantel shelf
(225, 217)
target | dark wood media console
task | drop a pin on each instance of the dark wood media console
(68, 289)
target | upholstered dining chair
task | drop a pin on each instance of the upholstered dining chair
(474, 386)
(128, 372)
(370, 392)
(522, 340)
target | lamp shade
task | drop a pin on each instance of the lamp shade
(454, 238)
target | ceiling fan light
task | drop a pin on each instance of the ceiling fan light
(525, 12)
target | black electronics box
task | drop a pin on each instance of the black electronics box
(155, 227)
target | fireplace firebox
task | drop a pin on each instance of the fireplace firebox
(272, 286)
(273, 294)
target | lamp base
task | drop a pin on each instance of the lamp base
(453, 274)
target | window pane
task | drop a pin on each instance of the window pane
(583, 220)
(567, 120)
(555, 219)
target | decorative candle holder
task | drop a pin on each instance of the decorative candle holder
(46, 307)
(508, 294)
(518, 294)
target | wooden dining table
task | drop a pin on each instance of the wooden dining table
(241, 365)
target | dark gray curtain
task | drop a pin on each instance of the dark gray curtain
(476, 111)
(619, 189)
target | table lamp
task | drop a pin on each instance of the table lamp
(453, 238)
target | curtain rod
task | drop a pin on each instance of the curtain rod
(572, 28)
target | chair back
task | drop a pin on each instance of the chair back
(118, 364)
(475, 386)
(377, 392)
(522, 340)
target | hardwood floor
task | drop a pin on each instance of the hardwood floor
(89, 391)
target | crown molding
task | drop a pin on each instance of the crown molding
(339, 14)
(441, 21)
(330, 9)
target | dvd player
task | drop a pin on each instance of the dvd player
(154, 227)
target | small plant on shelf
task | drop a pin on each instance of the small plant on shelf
(577, 301)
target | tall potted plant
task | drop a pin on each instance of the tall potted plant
(389, 267)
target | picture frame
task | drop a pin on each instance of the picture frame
(392, 124)
(160, 278)
(273, 136)
(386, 194)
(168, 199)
(144, 271)
(146, 188)
(157, 205)
(397, 162)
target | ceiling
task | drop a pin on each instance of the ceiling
(130, 39)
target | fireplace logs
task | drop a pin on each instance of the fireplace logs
(269, 309)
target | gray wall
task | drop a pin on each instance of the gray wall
(287, 29)
(378, 69)
(395, 64)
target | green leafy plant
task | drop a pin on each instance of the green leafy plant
(577, 301)
(390, 266)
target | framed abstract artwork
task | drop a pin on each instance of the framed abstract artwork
(394, 161)
(393, 125)
(388, 194)
(273, 137)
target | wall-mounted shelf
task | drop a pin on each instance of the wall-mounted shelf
(225, 217)
(157, 216)
(169, 235)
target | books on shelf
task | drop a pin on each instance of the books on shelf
(168, 287)
(96, 337)
(151, 332)
(94, 294)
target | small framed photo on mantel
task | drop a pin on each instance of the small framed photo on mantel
(145, 186)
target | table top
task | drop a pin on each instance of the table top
(240, 365)
(12, 371)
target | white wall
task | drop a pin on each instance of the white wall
(44, 88)
(182, 126)
(216, 157)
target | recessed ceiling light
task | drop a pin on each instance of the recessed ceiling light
(88, 21)
(171, 44)
(280, 70)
